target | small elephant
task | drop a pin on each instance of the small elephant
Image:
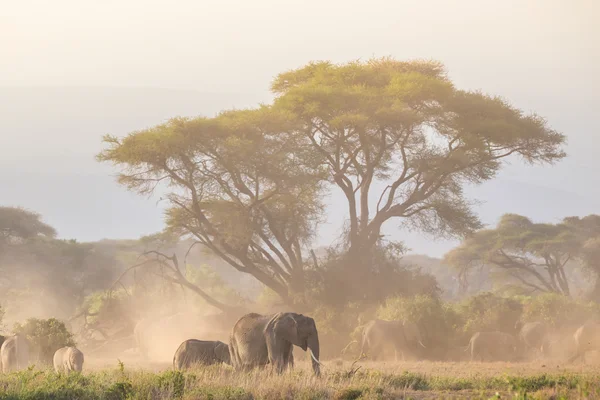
(203, 352)
(257, 340)
(14, 353)
(586, 339)
(532, 335)
(402, 337)
(68, 359)
(492, 346)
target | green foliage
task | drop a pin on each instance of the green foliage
(487, 312)
(249, 184)
(207, 279)
(20, 224)
(46, 336)
(435, 319)
(558, 311)
(387, 276)
(365, 384)
(404, 123)
(536, 256)
(241, 184)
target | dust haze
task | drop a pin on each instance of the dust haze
(392, 187)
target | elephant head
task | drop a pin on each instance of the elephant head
(287, 329)
(222, 353)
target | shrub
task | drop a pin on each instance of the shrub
(557, 310)
(435, 320)
(46, 336)
(487, 312)
(336, 325)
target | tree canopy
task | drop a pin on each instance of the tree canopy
(19, 224)
(406, 125)
(537, 255)
(242, 185)
(397, 138)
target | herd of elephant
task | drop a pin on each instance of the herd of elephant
(14, 355)
(257, 340)
(379, 337)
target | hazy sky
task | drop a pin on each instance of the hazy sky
(242, 44)
(542, 55)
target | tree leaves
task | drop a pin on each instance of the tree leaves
(536, 255)
(249, 183)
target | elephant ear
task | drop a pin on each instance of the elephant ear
(284, 327)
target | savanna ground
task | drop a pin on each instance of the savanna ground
(339, 380)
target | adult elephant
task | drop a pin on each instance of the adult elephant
(532, 335)
(586, 338)
(206, 352)
(68, 359)
(257, 340)
(492, 346)
(379, 335)
(14, 353)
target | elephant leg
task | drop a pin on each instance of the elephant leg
(288, 358)
(364, 348)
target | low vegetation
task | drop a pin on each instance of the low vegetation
(374, 381)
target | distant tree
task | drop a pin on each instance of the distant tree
(34, 265)
(400, 141)
(536, 255)
(588, 231)
(18, 224)
(239, 184)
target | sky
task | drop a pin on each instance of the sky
(542, 56)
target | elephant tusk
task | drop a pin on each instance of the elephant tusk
(314, 358)
(348, 345)
(422, 344)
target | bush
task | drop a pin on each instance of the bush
(487, 312)
(46, 336)
(435, 320)
(558, 311)
(336, 325)
(337, 281)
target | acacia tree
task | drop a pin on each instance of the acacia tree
(247, 184)
(240, 184)
(404, 127)
(18, 224)
(588, 231)
(535, 255)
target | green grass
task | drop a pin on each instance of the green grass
(121, 383)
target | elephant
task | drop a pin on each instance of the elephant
(532, 335)
(68, 359)
(257, 340)
(158, 338)
(492, 346)
(202, 352)
(586, 338)
(14, 353)
(402, 336)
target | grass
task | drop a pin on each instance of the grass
(419, 380)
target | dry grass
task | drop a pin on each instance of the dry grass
(417, 380)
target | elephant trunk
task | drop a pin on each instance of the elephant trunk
(313, 347)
